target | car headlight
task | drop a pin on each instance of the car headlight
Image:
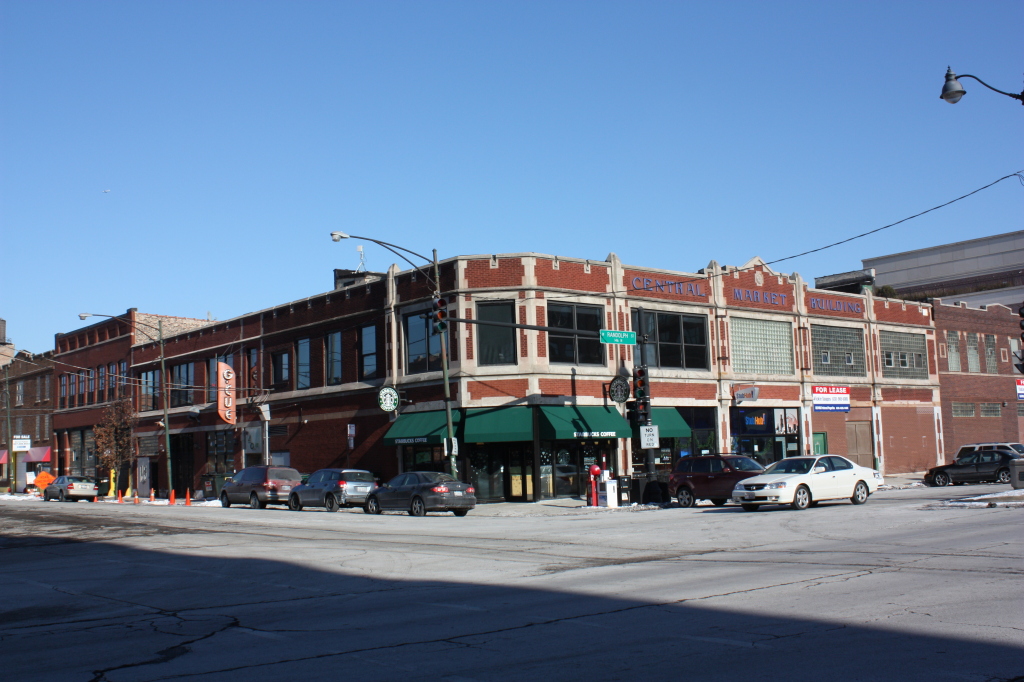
(779, 484)
(739, 486)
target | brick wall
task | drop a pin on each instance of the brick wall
(480, 274)
(908, 435)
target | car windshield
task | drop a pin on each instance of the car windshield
(795, 465)
(744, 464)
(284, 475)
(432, 477)
(1018, 447)
(358, 476)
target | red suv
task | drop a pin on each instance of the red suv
(709, 477)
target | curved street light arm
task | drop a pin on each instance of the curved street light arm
(1008, 94)
(391, 247)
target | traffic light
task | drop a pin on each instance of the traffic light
(1019, 356)
(439, 315)
(640, 388)
(631, 415)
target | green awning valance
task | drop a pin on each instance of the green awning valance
(669, 422)
(422, 427)
(498, 425)
(582, 421)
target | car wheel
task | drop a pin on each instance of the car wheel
(860, 493)
(372, 506)
(254, 502)
(331, 503)
(62, 497)
(417, 508)
(1003, 476)
(750, 507)
(460, 512)
(293, 503)
(684, 496)
(941, 479)
(224, 501)
(46, 496)
(719, 501)
(801, 498)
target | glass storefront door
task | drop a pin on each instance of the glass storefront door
(564, 465)
(765, 434)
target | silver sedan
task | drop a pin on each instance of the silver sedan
(70, 489)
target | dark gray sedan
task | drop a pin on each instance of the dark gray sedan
(418, 492)
(332, 489)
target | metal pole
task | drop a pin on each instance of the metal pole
(12, 470)
(447, 389)
(642, 338)
(164, 400)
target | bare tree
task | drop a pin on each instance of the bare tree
(114, 439)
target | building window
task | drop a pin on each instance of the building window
(123, 374)
(762, 346)
(903, 355)
(111, 384)
(46, 426)
(149, 389)
(963, 409)
(91, 392)
(281, 367)
(991, 410)
(19, 393)
(846, 342)
(63, 390)
(368, 353)
(1020, 409)
(496, 345)
(422, 346)
(101, 383)
(211, 374)
(674, 341)
(991, 365)
(574, 349)
(332, 346)
(38, 420)
(953, 341)
(973, 360)
(302, 370)
(182, 380)
(254, 367)
(73, 390)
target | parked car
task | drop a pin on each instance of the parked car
(802, 482)
(975, 465)
(70, 489)
(709, 477)
(259, 486)
(333, 489)
(421, 491)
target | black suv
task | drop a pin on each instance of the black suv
(972, 465)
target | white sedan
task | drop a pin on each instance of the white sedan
(802, 482)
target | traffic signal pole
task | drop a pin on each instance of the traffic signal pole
(443, 333)
(642, 340)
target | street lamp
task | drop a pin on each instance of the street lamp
(952, 91)
(163, 387)
(436, 281)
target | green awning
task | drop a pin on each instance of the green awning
(571, 422)
(422, 427)
(498, 425)
(669, 422)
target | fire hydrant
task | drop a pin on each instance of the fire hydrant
(595, 474)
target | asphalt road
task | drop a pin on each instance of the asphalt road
(898, 589)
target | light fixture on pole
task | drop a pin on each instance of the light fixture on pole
(163, 386)
(952, 91)
(450, 445)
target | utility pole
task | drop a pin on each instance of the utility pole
(12, 470)
(642, 388)
(441, 325)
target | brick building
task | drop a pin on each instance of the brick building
(28, 379)
(977, 373)
(531, 407)
(92, 368)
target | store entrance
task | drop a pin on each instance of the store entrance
(564, 465)
(501, 471)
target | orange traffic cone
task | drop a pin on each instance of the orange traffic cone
(171, 499)
(188, 498)
(120, 500)
(136, 496)
(152, 495)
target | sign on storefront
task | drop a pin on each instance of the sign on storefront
(1020, 389)
(21, 443)
(226, 393)
(831, 398)
(649, 437)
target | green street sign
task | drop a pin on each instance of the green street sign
(621, 338)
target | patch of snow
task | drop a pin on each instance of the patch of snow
(19, 497)
(1004, 493)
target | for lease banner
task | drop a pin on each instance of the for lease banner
(1020, 389)
(831, 398)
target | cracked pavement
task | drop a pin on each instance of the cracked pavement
(899, 587)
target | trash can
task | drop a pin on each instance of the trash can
(1017, 473)
(212, 484)
(625, 490)
(610, 496)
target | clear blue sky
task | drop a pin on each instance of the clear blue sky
(234, 136)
